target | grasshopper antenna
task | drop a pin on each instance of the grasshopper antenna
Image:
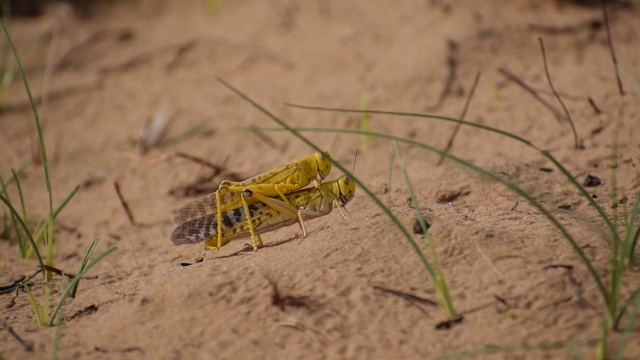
(335, 137)
(355, 157)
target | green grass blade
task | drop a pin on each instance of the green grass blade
(14, 225)
(438, 277)
(601, 349)
(14, 222)
(22, 205)
(45, 305)
(39, 311)
(628, 329)
(24, 227)
(635, 294)
(488, 174)
(631, 236)
(336, 164)
(65, 201)
(416, 206)
(526, 142)
(48, 240)
(41, 229)
(43, 152)
(56, 340)
(634, 243)
(83, 264)
(20, 194)
(513, 187)
(36, 118)
(18, 172)
(76, 280)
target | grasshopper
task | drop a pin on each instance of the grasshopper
(275, 183)
(300, 205)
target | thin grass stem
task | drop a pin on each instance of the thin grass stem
(74, 283)
(528, 143)
(14, 223)
(24, 227)
(83, 264)
(364, 188)
(20, 195)
(628, 329)
(43, 152)
(438, 277)
(519, 191)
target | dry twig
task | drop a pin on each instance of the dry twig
(452, 66)
(504, 71)
(462, 115)
(127, 210)
(605, 15)
(566, 111)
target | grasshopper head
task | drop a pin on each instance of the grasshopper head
(323, 164)
(346, 189)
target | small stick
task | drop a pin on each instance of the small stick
(217, 168)
(564, 95)
(54, 94)
(116, 185)
(571, 28)
(406, 296)
(504, 71)
(20, 283)
(449, 323)
(452, 65)
(462, 115)
(281, 301)
(117, 33)
(566, 111)
(181, 50)
(56, 271)
(14, 285)
(594, 106)
(146, 55)
(266, 139)
(610, 41)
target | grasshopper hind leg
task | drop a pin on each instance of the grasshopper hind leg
(209, 244)
(256, 240)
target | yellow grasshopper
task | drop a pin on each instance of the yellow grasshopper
(275, 183)
(266, 216)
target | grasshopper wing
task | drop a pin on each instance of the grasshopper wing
(206, 205)
(203, 206)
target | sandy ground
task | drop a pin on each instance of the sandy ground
(105, 69)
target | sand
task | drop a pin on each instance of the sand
(102, 71)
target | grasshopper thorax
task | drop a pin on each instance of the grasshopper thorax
(323, 164)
